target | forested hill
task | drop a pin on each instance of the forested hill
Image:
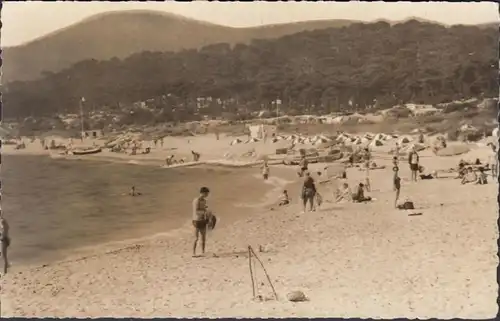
(120, 34)
(313, 71)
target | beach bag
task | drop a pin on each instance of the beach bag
(211, 222)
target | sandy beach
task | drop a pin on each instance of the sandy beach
(363, 260)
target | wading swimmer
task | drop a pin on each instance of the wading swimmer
(265, 170)
(200, 219)
(5, 241)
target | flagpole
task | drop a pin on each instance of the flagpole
(81, 117)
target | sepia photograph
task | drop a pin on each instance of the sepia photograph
(257, 159)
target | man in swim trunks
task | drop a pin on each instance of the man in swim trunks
(4, 241)
(200, 219)
(303, 165)
(413, 160)
(308, 192)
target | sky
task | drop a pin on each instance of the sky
(25, 21)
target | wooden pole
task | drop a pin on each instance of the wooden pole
(265, 271)
(251, 271)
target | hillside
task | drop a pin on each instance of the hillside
(317, 71)
(120, 34)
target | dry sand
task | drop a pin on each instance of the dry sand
(351, 260)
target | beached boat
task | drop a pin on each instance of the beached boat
(86, 151)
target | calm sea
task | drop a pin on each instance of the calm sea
(54, 206)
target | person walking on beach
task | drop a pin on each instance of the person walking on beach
(308, 192)
(200, 219)
(265, 170)
(413, 160)
(303, 165)
(4, 241)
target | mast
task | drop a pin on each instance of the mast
(82, 100)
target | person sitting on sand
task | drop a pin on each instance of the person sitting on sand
(359, 196)
(481, 178)
(285, 200)
(4, 241)
(470, 176)
(462, 170)
(344, 193)
(308, 192)
(201, 216)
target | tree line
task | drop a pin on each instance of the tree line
(356, 67)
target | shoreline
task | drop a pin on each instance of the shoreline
(110, 247)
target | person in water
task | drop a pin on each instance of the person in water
(308, 192)
(4, 241)
(133, 192)
(265, 170)
(201, 216)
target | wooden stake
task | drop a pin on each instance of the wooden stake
(265, 271)
(251, 271)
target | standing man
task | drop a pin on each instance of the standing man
(304, 165)
(413, 160)
(367, 157)
(200, 219)
(308, 192)
(4, 241)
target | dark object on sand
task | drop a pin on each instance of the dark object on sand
(426, 176)
(296, 296)
(408, 205)
(415, 214)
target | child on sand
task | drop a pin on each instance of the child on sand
(470, 176)
(482, 179)
(285, 200)
(344, 194)
(397, 186)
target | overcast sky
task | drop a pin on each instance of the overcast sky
(25, 21)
